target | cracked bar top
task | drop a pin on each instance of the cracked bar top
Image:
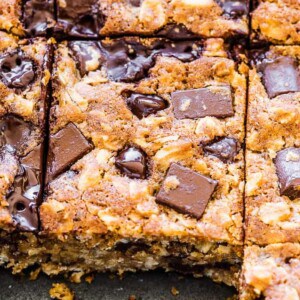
(149, 173)
(24, 75)
(276, 22)
(271, 272)
(176, 19)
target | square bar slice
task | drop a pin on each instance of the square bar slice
(175, 19)
(273, 141)
(27, 17)
(132, 184)
(271, 272)
(275, 22)
(24, 76)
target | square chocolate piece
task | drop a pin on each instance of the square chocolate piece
(186, 191)
(213, 101)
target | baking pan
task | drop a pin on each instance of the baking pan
(144, 286)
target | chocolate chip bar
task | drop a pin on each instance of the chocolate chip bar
(275, 22)
(145, 160)
(271, 272)
(176, 19)
(24, 77)
(272, 158)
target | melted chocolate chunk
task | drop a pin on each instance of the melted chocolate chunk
(132, 162)
(135, 3)
(234, 9)
(130, 61)
(176, 32)
(14, 132)
(215, 101)
(65, 147)
(16, 70)
(145, 105)
(224, 148)
(25, 193)
(186, 191)
(287, 164)
(85, 53)
(280, 76)
(38, 16)
(78, 18)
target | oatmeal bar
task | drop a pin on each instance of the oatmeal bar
(169, 18)
(271, 272)
(273, 153)
(145, 160)
(27, 17)
(24, 75)
(276, 22)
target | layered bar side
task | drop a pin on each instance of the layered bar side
(275, 22)
(27, 17)
(145, 163)
(273, 140)
(271, 272)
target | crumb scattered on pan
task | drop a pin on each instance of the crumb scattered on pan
(174, 291)
(90, 278)
(132, 297)
(60, 291)
(34, 274)
(76, 277)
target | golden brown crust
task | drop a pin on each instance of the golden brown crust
(204, 18)
(277, 22)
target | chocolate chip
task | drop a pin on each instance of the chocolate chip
(186, 191)
(38, 16)
(176, 32)
(144, 105)
(215, 101)
(85, 52)
(234, 9)
(77, 18)
(135, 3)
(280, 76)
(34, 159)
(132, 162)
(16, 70)
(23, 198)
(287, 164)
(65, 147)
(14, 132)
(128, 60)
(224, 148)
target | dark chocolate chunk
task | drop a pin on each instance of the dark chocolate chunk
(65, 147)
(128, 60)
(135, 3)
(16, 70)
(132, 162)
(85, 51)
(145, 105)
(14, 132)
(38, 16)
(280, 76)
(234, 9)
(215, 101)
(77, 18)
(287, 164)
(186, 191)
(176, 32)
(224, 148)
(25, 193)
